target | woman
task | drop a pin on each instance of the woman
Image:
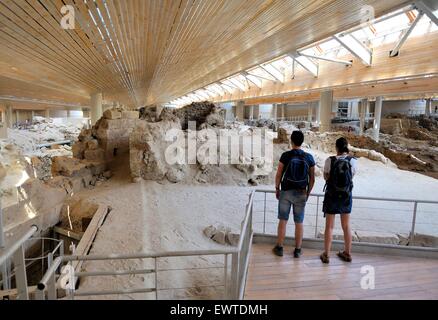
(338, 173)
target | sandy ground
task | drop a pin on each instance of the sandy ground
(154, 217)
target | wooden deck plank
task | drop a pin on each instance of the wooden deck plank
(396, 277)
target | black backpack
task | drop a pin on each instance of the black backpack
(297, 172)
(340, 181)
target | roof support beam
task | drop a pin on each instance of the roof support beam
(426, 9)
(306, 63)
(248, 79)
(394, 52)
(347, 63)
(356, 48)
(271, 73)
(257, 76)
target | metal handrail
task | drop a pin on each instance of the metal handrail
(15, 246)
(363, 197)
(17, 251)
(321, 195)
(238, 272)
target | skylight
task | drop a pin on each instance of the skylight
(357, 42)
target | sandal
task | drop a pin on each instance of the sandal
(345, 256)
(324, 258)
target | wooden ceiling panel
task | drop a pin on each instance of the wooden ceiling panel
(151, 51)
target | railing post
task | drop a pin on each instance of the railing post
(316, 219)
(4, 268)
(20, 274)
(414, 218)
(264, 216)
(225, 276)
(40, 295)
(51, 291)
(234, 295)
(156, 278)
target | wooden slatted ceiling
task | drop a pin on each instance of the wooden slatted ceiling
(151, 51)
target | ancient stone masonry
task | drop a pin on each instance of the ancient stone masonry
(147, 152)
(109, 137)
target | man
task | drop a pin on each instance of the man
(296, 177)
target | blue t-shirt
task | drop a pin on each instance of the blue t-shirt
(286, 158)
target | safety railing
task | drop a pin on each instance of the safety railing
(46, 258)
(16, 252)
(370, 215)
(233, 279)
(296, 119)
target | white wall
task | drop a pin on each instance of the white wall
(405, 106)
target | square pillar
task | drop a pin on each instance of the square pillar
(256, 112)
(96, 107)
(377, 118)
(428, 110)
(362, 115)
(8, 116)
(325, 110)
(309, 112)
(274, 112)
(240, 110)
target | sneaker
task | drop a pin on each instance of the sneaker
(278, 251)
(297, 253)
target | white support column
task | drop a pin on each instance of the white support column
(3, 135)
(318, 112)
(33, 115)
(256, 112)
(362, 114)
(428, 110)
(309, 112)
(274, 112)
(240, 110)
(96, 107)
(47, 114)
(9, 120)
(17, 116)
(325, 110)
(354, 110)
(251, 113)
(283, 107)
(377, 118)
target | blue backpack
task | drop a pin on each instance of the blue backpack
(297, 172)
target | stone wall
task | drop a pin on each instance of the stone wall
(108, 138)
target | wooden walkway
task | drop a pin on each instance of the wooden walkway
(271, 277)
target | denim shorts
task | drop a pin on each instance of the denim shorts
(295, 199)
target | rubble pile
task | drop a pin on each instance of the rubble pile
(43, 131)
(222, 235)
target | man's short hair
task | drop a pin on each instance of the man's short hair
(297, 138)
